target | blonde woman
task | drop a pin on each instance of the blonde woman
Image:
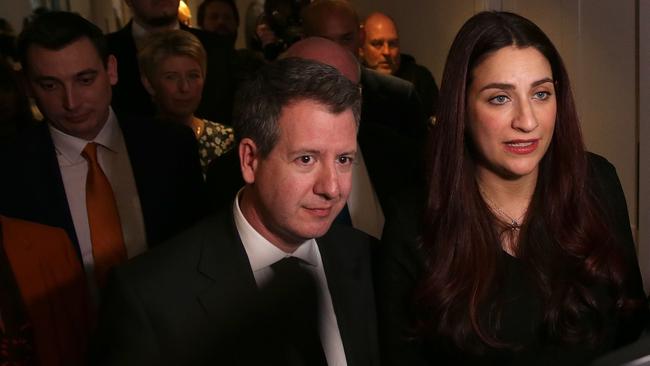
(173, 69)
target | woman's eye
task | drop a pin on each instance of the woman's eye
(542, 95)
(499, 99)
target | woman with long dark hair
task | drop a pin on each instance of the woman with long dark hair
(523, 254)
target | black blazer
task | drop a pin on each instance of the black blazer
(130, 97)
(191, 301)
(165, 164)
(392, 102)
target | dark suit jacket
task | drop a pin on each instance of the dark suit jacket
(191, 301)
(392, 102)
(165, 164)
(422, 79)
(130, 97)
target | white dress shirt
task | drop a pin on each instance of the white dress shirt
(365, 211)
(262, 254)
(113, 158)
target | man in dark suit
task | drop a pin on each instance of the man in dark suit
(130, 97)
(199, 298)
(86, 171)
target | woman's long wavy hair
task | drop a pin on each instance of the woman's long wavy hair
(565, 243)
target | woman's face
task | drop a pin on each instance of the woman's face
(177, 86)
(511, 108)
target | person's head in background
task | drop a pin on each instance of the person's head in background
(220, 17)
(380, 49)
(68, 72)
(173, 67)
(154, 14)
(335, 20)
(328, 52)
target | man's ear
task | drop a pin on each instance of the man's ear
(111, 69)
(248, 159)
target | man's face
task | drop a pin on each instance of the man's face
(71, 86)
(295, 192)
(380, 50)
(154, 13)
(220, 19)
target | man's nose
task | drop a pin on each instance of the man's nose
(327, 184)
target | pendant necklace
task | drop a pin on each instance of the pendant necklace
(515, 224)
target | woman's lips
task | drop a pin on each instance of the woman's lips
(521, 147)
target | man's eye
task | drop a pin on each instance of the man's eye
(47, 85)
(305, 159)
(345, 160)
(377, 44)
(86, 80)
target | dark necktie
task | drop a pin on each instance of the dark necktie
(103, 218)
(303, 346)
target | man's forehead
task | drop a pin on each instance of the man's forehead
(73, 58)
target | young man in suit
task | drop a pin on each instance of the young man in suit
(117, 187)
(150, 16)
(203, 297)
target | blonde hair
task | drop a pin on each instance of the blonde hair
(161, 45)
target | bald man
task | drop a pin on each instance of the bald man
(380, 51)
(387, 100)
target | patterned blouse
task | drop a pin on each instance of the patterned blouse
(215, 140)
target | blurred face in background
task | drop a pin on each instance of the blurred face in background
(176, 86)
(154, 13)
(380, 50)
(220, 19)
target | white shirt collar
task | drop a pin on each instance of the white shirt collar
(261, 252)
(70, 147)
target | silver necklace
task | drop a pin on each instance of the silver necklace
(514, 224)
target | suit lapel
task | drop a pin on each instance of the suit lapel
(223, 260)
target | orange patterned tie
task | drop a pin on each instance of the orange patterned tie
(103, 218)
